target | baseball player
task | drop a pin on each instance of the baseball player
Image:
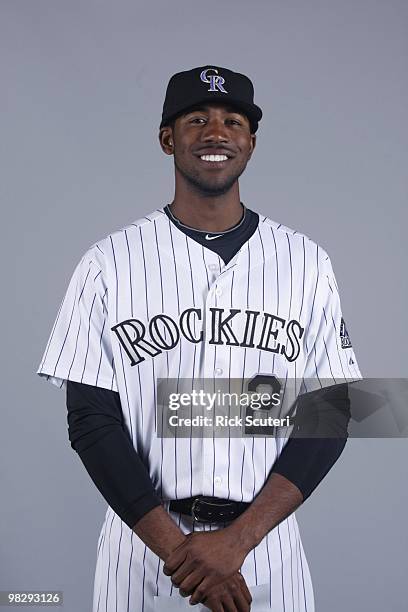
(202, 288)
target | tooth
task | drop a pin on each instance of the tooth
(214, 158)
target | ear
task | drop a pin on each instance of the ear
(252, 145)
(166, 140)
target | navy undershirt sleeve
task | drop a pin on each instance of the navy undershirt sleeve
(325, 415)
(305, 462)
(97, 433)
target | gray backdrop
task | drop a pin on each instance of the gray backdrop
(82, 91)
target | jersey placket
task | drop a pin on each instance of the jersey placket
(215, 366)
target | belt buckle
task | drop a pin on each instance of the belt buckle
(193, 510)
(204, 500)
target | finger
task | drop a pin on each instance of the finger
(213, 603)
(184, 572)
(234, 599)
(200, 592)
(244, 588)
(189, 584)
(227, 603)
(174, 560)
(231, 594)
(241, 603)
(179, 575)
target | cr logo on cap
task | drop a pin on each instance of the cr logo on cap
(215, 80)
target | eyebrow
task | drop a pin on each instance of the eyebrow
(201, 107)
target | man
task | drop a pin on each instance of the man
(203, 288)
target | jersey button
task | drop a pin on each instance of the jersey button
(218, 371)
(218, 291)
(218, 481)
(212, 266)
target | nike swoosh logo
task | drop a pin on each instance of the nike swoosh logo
(207, 237)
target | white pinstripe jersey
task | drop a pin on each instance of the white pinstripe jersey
(149, 302)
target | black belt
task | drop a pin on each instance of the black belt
(209, 509)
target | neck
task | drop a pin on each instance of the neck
(209, 213)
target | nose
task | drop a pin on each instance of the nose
(215, 131)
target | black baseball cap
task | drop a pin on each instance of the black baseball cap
(208, 84)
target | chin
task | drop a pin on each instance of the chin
(214, 190)
(215, 187)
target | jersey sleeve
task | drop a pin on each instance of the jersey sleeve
(79, 347)
(330, 355)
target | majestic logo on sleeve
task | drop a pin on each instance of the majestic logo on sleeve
(215, 80)
(344, 337)
(266, 333)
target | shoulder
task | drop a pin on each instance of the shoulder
(104, 248)
(312, 250)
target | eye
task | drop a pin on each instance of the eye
(236, 121)
(195, 119)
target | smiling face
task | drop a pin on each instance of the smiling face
(212, 144)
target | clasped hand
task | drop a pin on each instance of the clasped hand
(206, 566)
